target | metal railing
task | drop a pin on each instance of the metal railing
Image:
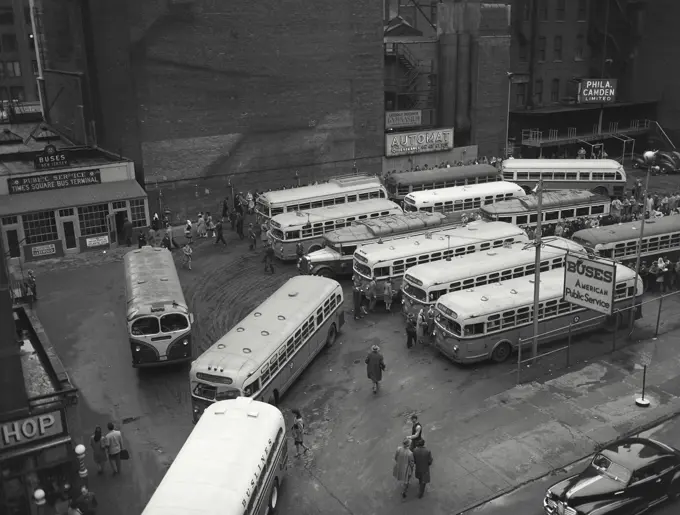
(536, 136)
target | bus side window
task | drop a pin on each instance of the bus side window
(552, 215)
(298, 338)
(485, 246)
(273, 366)
(282, 356)
(328, 202)
(572, 176)
(363, 196)
(508, 319)
(493, 323)
(351, 198)
(382, 194)
(398, 267)
(521, 219)
(381, 271)
(596, 210)
(339, 200)
(264, 373)
(567, 213)
(375, 215)
(375, 194)
(338, 298)
(290, 347)
(319, 317)
(316, 204)
(582, 211)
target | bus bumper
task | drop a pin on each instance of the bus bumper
(284, 255)
(145, 355)
(449, 347)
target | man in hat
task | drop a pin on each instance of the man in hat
(411, 331)
(375, 365)
(252, 236)
(423, 460)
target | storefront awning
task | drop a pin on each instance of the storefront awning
(73, 197)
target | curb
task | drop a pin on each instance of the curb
(644, 427)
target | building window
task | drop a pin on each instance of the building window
(521, 94)
(538, 91)
(17, 93)
(541, 48)
(557, 48)
(523, 52)
(582, 10)
(40, 227)
(526, 10)
(138, 212)
(66, 212)
(543, 10)
(555, 90)
(10, 220)
(13, 69)
(580, 44)
(560, 8)
(92, 219)
(27, 15)
(119, 204)
(9, 43)
(6, 16)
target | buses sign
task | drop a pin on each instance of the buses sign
(597, 91)
(590, 283)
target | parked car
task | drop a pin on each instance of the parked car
(625, 478)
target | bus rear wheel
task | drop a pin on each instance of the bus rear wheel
(274, 496)
(325, 272)
(332, 335)
(601, 190)
(501, 352)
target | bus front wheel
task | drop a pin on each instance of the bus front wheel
(274, 497)
(325, 272)
(501, 352)
(313, 248)
(332, 335)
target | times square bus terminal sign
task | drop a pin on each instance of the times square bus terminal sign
(597, 91)
(590, 283)
(53, 181)
(405, 143)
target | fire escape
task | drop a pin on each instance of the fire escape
(415, 84)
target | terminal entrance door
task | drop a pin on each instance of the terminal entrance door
(113, 230)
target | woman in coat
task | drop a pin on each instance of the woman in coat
(421, 326)
(98, 451)
(375, 364)
(404, 465)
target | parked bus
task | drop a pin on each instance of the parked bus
(558, 205)
(341, 190)
(158, 318)
(461, 198)
(335, 258)
(234, 462)
(308, 227)
(390, 261)
(424, 284)
(266, 352)
(401, 184)
(601, 176)
(487, 322)
(620, 242)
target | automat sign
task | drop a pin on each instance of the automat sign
(590, 283)
(597, 91)
(404, 143)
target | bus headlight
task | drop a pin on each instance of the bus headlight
(281, 248)
(138, 348)
(455, 349)
(185, 342)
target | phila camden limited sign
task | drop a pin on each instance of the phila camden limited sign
(51, 158)
(597, 91)
(589, 283)
(53, 181)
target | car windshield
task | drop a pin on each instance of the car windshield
(610, 469)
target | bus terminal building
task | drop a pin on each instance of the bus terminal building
(57, 199)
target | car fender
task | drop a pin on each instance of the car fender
(617, 507)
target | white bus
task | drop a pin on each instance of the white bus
(620, 242)
(602, 176)
(266, 352)
(308, 227)
(558, 205)
(158, 318)
(487, 322)
(341, 190)
(401, 184)
(335, 258)
(233, 463)
(389, 261)
(424, 284)
(461, 198)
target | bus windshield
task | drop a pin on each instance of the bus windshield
(415, 292)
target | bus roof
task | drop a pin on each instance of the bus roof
(248, 344)
(388, 225)
(422, 244)
(551, 199)
(430, 197)
(334, 186)
(214, 468)
(151, 281)
(562, 164)
(492, 298)
(494, 260)
(323, 214)
(627, 231)
(441, 174)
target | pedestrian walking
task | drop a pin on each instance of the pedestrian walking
(421, 326)
(127, 232)
(375, 365)
(423, 460)
(411, 332)
(252, 236)
(189, 232)
(387, 295)
(98, 450)
(268, 258)
(262, 231)
(86, 502)
(356, 297)
(114, 447)
(225, 207)
(299, 250)
(155, 228)
(430, 323)
(201, 227)
(141, 240)
(187, 251)
(298, 431)
(404, 465)
(32, 286)
(209, 225)
(372, 295)
(416, 432)
(219, 233)
(239, 224)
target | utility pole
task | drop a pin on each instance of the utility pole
(537, 266)
(640, 238)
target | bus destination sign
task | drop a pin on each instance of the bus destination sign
(590, 283)
(597, 91)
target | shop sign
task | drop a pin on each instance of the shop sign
(29, 430)
(51, 158)
(396, 119)
(590, 283)
(44, 250)
(405, 143)
(53, 181)
(597, 91)
(97, 241)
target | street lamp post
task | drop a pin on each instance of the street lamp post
(507, 118)
(537, 267)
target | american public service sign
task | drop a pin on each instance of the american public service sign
(406, 143)
(597, 91)
(53, 181)
(590, 283)
(401, 119)
(51, 158)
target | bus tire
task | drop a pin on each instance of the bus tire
(274, 496)
(313, 248)
(325, 272)
(501, 352)
(274, 400)
(332, 335)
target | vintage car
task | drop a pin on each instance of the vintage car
(625, 478)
